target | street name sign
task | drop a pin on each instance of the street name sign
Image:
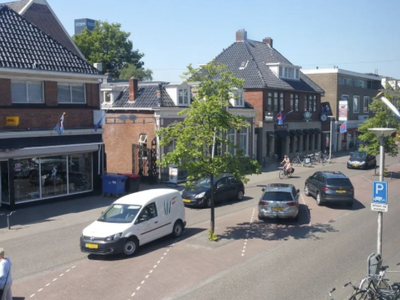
(379, 196)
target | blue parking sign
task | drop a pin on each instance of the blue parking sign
(379, 192)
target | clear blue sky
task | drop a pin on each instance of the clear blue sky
(356, 35)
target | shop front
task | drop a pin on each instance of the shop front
(64, 168)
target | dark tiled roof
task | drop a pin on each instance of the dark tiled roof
(247, 60)
(25, 46)
(17, 5)
(146, 96)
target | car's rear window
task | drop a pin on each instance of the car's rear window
(277, 196)
(339, 182)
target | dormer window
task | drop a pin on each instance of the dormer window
(237, 99)
(183, 97)
(285, 71)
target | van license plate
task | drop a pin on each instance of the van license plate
(186, 200)
(92, 246)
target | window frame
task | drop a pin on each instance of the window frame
(184, 103)
(246, 144)
(71, 98)
(356, 104)
(26, 82)
(366, 107)
(231, 133)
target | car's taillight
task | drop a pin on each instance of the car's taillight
(324, 189)
(291, 203)
(263, 202)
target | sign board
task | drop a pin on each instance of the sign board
(12, 121)
(379, 196)
(173, 175)
(343, 108)
(269, 117)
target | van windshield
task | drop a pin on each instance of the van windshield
(120, 213)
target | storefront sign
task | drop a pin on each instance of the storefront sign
(269, 117)
(343, 107)
(307, 116)
(12, 121)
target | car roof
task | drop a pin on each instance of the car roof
(143, 197)
(333, 174)
(279, 187)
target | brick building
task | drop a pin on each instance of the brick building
(40, 80)
(356, 90)
(135, 110)
(286, 101)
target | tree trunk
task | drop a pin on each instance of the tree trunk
(212, 208)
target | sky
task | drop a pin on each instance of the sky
(356, 35)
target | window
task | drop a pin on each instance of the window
(361, 83)
(305, 102)
(231, 137)
(314, 103)
(71, 93)
(341, 80)
(237, 98)
(291, 102)
(356, 104)
(289, 73)
(243, 140)
(281, 101)
(183, 96)
(348, 81)
(149, 212)
(275, 101)
(296, 102)
(27, 92)
(269, 103)
(366, 104)
(310, 103)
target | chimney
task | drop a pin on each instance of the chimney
(133, 88)
(241, 35)
(268, 41)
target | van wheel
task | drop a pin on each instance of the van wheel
(131, 246)
(178, 229)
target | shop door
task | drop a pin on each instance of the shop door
(4, 186)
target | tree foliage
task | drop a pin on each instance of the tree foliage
(385, 118)
(109, 45)
(130, 70)
(201, 140)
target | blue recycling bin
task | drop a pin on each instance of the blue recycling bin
(113, 184)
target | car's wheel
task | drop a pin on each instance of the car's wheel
(260, 218)
(177, 229)
(306, 190)
(296, 218)
(131, 246)
(240, 195)
(318, 198)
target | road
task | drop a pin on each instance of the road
(253, 259)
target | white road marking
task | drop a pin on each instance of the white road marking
(41, 289)
(33, 295)
(247, 232)
(48, 284)
(54, 279)
(366, 178)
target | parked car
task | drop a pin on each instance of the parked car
(330, 186)
(227, 188)
(134, 220)
(279, 200)
(361, 160)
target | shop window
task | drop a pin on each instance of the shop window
(80, 172)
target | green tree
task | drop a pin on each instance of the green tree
(109, 45)
(130, 70)
(201, 138)
(384, 117)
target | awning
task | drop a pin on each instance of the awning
(271, 134)
(301, 132)
(312, 131)
(282, 133)
(317, 130)
(306, 131)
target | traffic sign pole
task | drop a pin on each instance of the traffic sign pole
(380, 214)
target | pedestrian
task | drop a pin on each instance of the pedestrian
(5, 276)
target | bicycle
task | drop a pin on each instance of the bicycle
(378, 285)
(305, 161)
(359, 294)
(327, 160)
(330, 293)
(283, 172)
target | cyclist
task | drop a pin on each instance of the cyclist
(287, 165)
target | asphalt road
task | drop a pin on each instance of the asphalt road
(283, 260)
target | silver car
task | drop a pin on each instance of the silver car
(279, 200)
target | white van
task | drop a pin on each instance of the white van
(134, 220)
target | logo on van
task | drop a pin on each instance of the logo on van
(168, 204)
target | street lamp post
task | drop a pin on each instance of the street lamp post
(330, 137)
(381, 133)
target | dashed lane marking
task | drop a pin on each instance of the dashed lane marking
(247, 233)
